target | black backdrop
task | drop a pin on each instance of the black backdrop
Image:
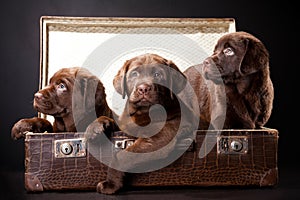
(273, 23)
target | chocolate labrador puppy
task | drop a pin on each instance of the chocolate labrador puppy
(148, 81)
(235, 83)
(74, 97)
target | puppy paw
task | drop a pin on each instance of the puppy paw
(35, 124)
(102, 125)
(107, 187)
(20, 129)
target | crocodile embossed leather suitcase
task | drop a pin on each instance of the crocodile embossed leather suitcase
(63, 161)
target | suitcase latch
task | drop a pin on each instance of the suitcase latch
(70, 148)
(232, 145)
(123, 143)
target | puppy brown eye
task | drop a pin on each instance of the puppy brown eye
(134, 74)
(156, 75)
(61, 86)
(228, 52)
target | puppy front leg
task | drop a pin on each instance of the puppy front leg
(101, 125)
(129, 158)
(35, 125)
(113, 182)
(105, 125)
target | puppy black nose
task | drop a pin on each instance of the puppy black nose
(144, 89)
(38, 95)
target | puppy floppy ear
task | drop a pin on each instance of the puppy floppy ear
(119, 81)
(87, 91)
(177, 80)
(243, 46)
(86, 98)
(255, 58)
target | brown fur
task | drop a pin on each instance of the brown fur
(138, 79)
(71, 91)
(245, 74)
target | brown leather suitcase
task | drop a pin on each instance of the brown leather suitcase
(62, 161)
(215, 158)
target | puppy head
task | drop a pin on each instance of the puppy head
(148, 68)
(235, 55)
(69, 89)
(56, 98)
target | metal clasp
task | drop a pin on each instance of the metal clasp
(123, 143)
(67, 148)
(232, 144)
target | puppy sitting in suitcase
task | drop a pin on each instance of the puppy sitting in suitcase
(74, 97)
(152, 114)
(233, 84)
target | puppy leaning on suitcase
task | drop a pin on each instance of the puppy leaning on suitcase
(74, 97)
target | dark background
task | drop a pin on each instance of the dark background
(274, 23)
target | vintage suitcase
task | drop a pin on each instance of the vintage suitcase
(237, 158)
(63, 161)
